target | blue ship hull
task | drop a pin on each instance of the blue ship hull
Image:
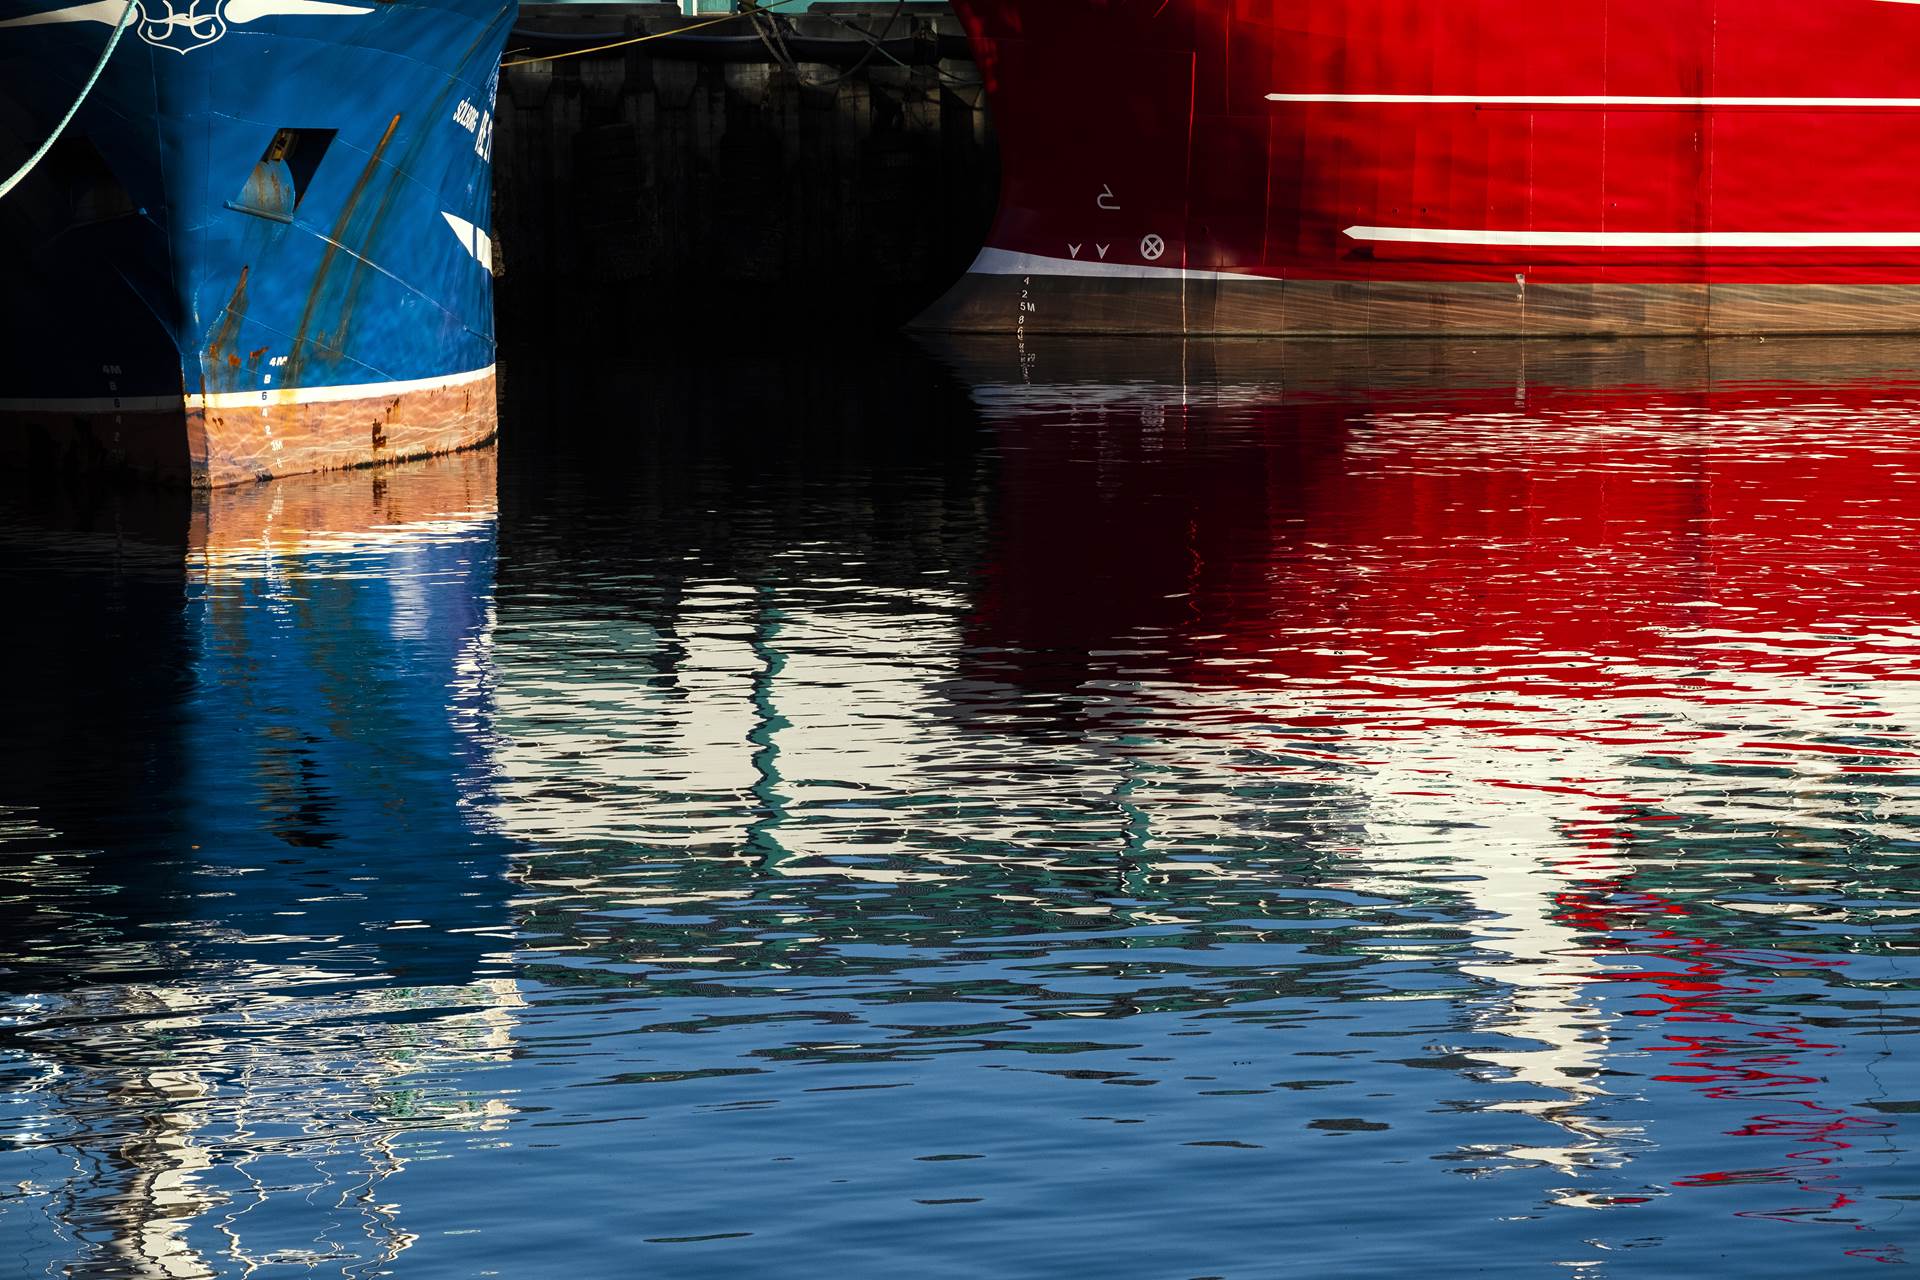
(262, 245)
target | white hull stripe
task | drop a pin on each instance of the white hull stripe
(1586, 100)
(1640, 239)
(266, 397)
(1005, 262)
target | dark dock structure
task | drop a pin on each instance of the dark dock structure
(733, 180)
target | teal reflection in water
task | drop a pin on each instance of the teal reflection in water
(1143, 810)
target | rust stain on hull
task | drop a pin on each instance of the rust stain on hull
(232, 446)
(225, 446)
(342, 228)
(228, 334)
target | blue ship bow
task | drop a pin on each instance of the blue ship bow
(262, 246)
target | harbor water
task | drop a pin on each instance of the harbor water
(1017, 809)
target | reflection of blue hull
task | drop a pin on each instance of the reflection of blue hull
(261, 246)
(339, 723)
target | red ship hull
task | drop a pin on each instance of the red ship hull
(1474, 167)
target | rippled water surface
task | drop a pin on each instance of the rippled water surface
(1136, 810)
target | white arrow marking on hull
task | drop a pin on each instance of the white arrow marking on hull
(472, 239)
(244, 11)
(106, 12)
(197, 27)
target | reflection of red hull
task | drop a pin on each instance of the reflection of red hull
(1279, 511)
(1590, 634)
(1491, 166)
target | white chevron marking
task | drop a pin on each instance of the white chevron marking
(472, 239)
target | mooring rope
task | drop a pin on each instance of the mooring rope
(657, 35)
(874, 46)
(33, 161)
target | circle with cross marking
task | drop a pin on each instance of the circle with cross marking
(1151, 247)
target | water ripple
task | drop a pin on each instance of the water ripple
(1142, 809)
